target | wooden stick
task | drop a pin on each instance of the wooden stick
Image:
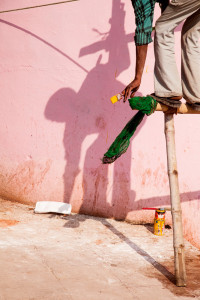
(183, 109)
(178, 241)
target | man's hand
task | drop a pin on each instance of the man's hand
(131, 89)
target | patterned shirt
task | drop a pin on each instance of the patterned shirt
(144, 12)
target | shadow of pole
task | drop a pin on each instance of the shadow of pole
(74, 221)
(165, 200)
(140, 251)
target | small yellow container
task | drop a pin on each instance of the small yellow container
(159, 222)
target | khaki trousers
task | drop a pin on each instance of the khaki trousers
(167, 81)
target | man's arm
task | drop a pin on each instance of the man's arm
(144, 11)
(141, 54)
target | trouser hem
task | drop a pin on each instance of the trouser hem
(191, 101)
(168, 94)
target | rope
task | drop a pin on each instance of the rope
(45, 42)
(6, 11)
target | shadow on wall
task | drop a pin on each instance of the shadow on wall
(90, 118)
(88, 114)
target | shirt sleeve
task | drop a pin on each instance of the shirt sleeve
(144, 12)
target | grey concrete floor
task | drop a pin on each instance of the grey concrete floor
(87, 258)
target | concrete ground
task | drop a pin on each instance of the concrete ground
(87, 258)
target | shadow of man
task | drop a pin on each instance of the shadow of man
(89, 118)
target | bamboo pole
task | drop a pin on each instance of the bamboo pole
(178, 241)
(183, 109)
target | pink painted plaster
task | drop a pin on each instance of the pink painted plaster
(59, 67)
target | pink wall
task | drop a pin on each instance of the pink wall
(59, 66)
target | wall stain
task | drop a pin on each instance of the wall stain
(100, 123)
(27, 177)
(146, 175)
